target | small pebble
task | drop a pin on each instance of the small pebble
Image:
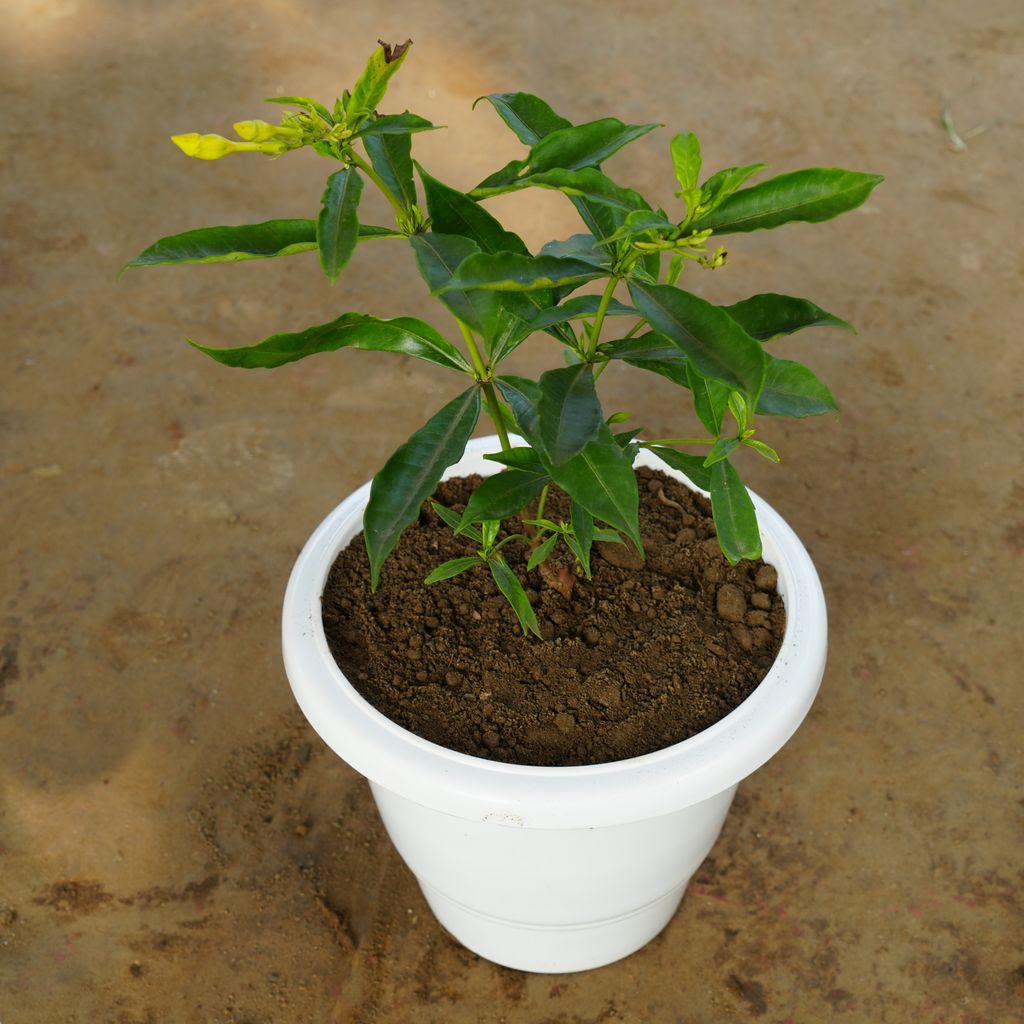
(564, 722)
(491, 739)
(743, 636)
(452, 678)
(592, 636)
(767, 578)
(762, 601)
(731, 604)
(714, 573)
(685, 535)
(757, 618)
(622, 556)
(654, 485)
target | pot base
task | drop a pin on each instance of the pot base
(553, 949)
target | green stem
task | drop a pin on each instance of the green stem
(395, 202)
(542, 501)
(636, 327)
(486, 386)
(595, 330)
(680, 440)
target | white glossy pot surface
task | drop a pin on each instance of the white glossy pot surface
(552, 869)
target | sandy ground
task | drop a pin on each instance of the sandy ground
(175, 844)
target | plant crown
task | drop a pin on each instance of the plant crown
(500, 294)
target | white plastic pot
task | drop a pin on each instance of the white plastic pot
(552, 869)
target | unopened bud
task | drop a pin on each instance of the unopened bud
(205, 147)
(261, 131)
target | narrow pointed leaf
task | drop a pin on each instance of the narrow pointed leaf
(707, 335)
(763, 449)
(227, 244)
(710, 398)
(723, 183)
(523, 397)
(405, 335)
(507, 271)
(601, 479)
(508, 583)
(579, 247)
(394, 124)
(391, 158)
(570, 414)
(815, 194)
(543, 552)
(651, 352)
(525, 459)
(454, 213)
(733, 511)
(792, 389)
(337, 229)
(528, 116)
(453, 567)
(438, 256)
(588, 185)
(584, 145)
(454, 520)
(769, 316)
(583, 530)
(412, 474)
(576, 309)
(305, 103)
(369, 90)
(722, 449)
(502, 495)
(691, 466)
(637, 223)
(685, 149)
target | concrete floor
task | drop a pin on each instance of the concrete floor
(175, 844)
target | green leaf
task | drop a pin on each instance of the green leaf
(691, 466)
(576, 309)
(792, 389)
(723, 183)
(543, 552)
(733, 511)
(639, 222)
(769, 316)
(454, 520)
(763, 449)
(722, 449)
(507, 271)
(601, 479)
(685, 149)
(412, 473)
(229, 244)
(738, 407)
(453, 567)
(405, 335)
(502, 495)
(438, 256)
(519, 458)
(391, 158)
(528, 116)
(706, 334)
(305, 103)
(815, 194)
(454, 213)
(337, 229)
(510, 586)
(584, 145)
(579, 247)
(588, 183)
(523, 397)
(570, 414)
(369, 90)
(710, 398)
(651, 352)
(583, 531)
(394, 124)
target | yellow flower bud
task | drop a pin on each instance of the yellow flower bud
(254, 131)
(205, 147)
(275, 147)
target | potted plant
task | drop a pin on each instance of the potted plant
(548, 867)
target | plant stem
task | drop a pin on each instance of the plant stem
(636, 327)
(395, 202)
(542, 501)
(595, 330)
(680, 440)
(486, 386)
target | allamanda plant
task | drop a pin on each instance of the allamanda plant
(500, 294)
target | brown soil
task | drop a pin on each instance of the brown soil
(644, 655)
